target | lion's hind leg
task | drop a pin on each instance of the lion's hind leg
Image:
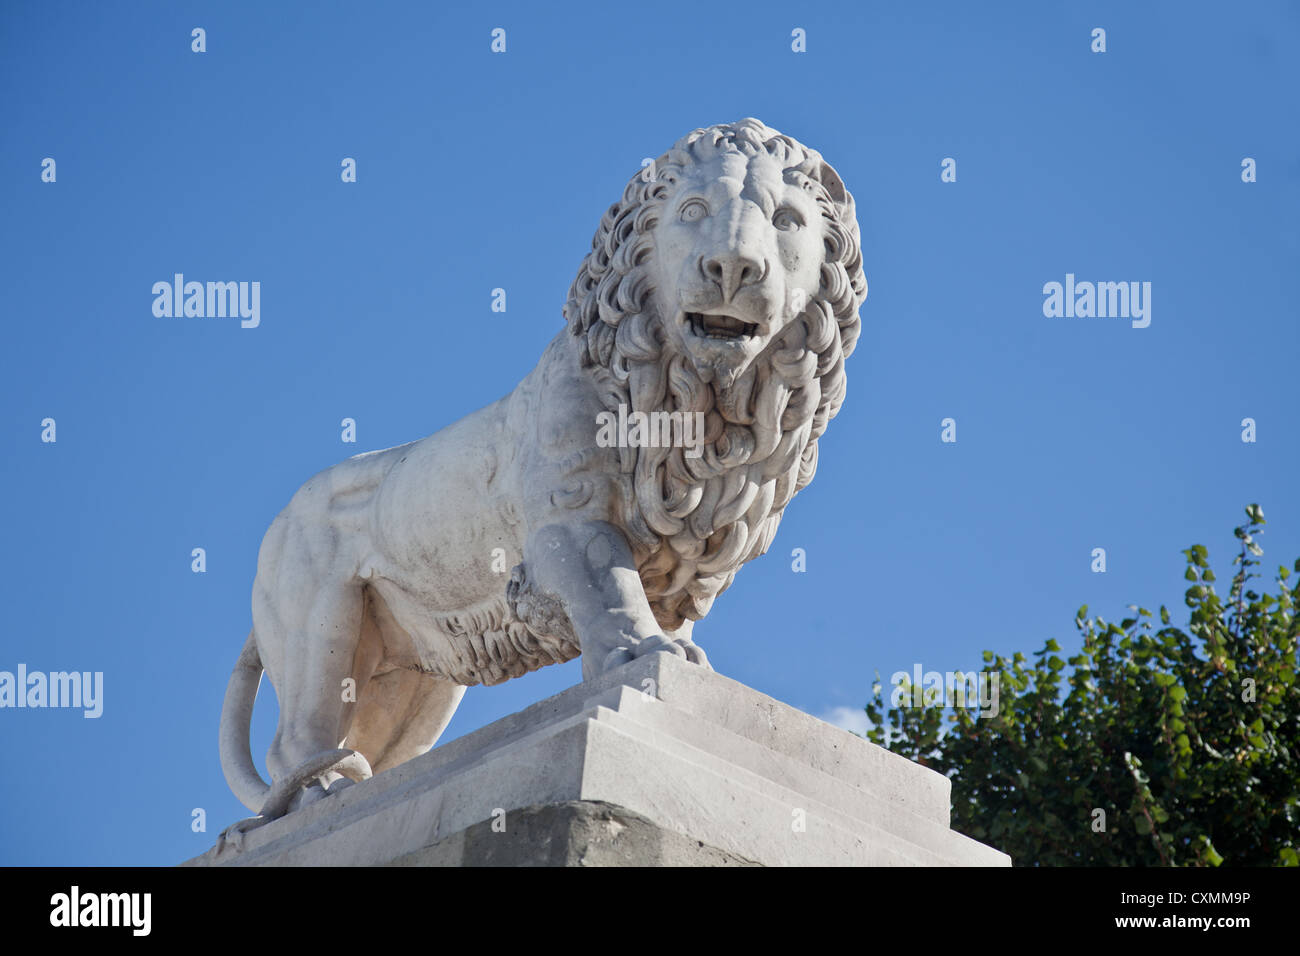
(320, 642)
(401, 714)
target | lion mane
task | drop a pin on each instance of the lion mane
(692, 522)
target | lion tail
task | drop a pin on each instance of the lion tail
(236, 718)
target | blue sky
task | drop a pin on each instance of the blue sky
(479, 170)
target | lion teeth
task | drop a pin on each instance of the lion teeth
(724, 327)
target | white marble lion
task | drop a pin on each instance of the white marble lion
(727, 281)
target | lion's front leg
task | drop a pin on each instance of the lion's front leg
(588, 568)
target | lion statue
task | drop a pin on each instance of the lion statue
(725, 286)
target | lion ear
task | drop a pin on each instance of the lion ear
(831, 181)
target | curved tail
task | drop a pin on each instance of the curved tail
(236, 717)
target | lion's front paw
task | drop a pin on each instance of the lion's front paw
(694, 653)
(659, 644)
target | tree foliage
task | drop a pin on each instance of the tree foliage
(1153, 745)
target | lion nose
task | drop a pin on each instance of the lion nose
(732, 270)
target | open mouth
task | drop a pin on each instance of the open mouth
(725, 327)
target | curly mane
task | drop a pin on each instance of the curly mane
(692, 522)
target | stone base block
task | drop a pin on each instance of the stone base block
(658, 763)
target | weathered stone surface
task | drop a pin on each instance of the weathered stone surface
(692, 752)
(576, 833)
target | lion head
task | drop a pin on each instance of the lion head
(727, 281)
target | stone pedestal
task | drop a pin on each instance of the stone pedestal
(658, 763)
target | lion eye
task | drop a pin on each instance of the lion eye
(694, 211)
(786, 219)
